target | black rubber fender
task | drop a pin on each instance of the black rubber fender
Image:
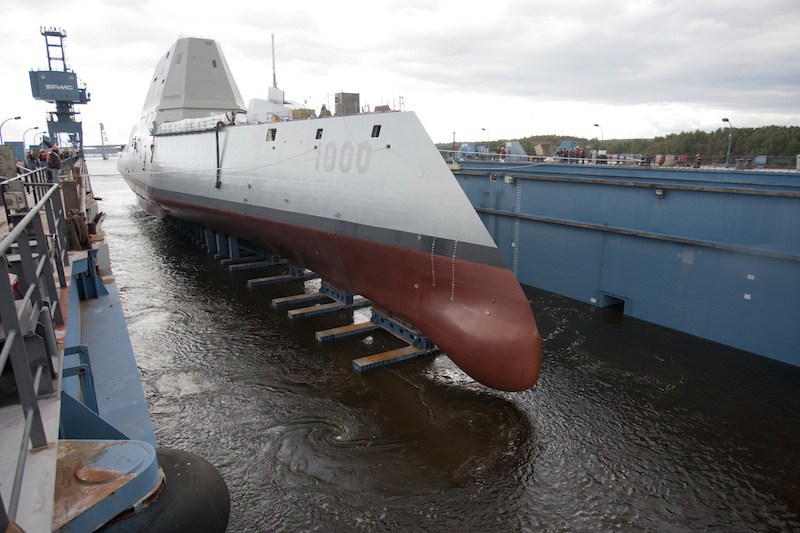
(194, 498)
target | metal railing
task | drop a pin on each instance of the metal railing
(34, 185)
(659, 160)
(27, 253)
(454, 156)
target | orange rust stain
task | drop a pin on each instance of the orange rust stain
(72, 495)
(91, 474)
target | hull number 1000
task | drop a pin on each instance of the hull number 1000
(345, 158)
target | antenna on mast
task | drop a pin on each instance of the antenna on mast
(274, 78)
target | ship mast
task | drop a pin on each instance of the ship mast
(274, 78)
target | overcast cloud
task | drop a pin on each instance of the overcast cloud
(640, 68)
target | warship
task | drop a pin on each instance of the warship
(364, 200)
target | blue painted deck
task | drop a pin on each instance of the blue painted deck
(714, 253)
(98, 324)
(120, 397)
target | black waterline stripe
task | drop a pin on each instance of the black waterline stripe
(465, 251)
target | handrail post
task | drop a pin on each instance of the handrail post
(55, 242)
(61, 222)
(19, 359)
(47, 271)
(26, 259)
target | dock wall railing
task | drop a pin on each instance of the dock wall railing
(760, 162)
(29, 305)
(454, 156)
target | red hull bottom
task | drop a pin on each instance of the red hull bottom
(476, 314)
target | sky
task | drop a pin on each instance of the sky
(479, 70)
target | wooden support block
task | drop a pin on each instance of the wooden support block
(243, 259)
(256, 282)
(233, 267)
(386, 358)
(358, 301)
(345, 331)
(297, 298)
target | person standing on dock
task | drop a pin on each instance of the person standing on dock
(54, 163)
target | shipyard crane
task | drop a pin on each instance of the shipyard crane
(60, 86)
(103, 141)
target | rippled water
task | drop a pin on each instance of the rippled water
(631, 426)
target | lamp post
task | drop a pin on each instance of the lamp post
(1, 127)
(36, 135)
(25, 146)
(601, 134)
(488, 141)
(730, 138)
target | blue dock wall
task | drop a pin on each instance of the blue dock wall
(712, 253)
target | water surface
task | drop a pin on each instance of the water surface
(631, 425)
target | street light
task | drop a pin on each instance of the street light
(601, 134)
(730, 138)
(36, 135)
(1, 127)
(25, 146)
(488, 141)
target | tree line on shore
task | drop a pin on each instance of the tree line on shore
(746, 143)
